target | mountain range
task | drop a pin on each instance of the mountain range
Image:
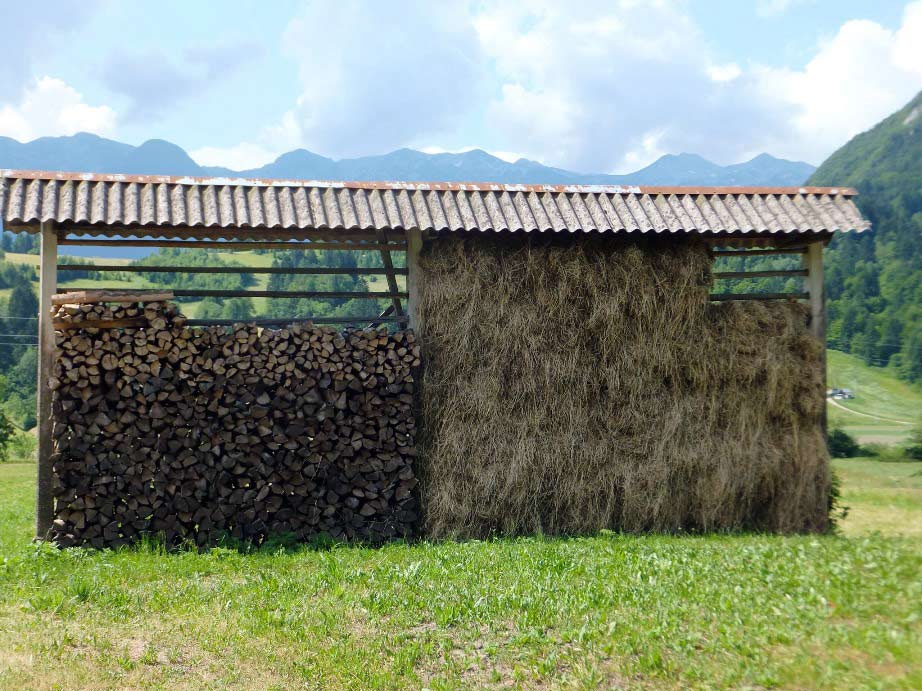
(89, 153)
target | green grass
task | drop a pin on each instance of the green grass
(881, 496)
(878, 394)
(611, 610)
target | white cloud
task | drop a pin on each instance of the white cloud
(639, 80)
(608, 89)
(724, 73)
(239, 157)
(155, 82)
(49, 107)
(31, 30)
(389, 75)
(269, 144)
(770, 8)
(864, 73)
(605, 94)
(507, 156)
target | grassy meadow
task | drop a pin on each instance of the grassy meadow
(885, 410)
(612, 610)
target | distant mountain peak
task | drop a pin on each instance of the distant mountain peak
(88, 152)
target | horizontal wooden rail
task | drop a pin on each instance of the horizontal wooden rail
(294, 271)
(213, 233)
(397, 246)
(756, 253)
(760, 274)
(295, 320)
(203, 293)
(725, 297)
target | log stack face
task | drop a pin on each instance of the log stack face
(199, 434)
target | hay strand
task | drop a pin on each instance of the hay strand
(579, 387)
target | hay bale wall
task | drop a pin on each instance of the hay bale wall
(572, 388)
(202, 433)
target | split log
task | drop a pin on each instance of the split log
(199, 434)
(79, 297)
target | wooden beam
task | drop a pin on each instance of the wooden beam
(79, 296)
(815, 284)
(44, 495)
(760, 274)
(389, 265)
(298, 271)
(214, 234)
(209, 293)
(233, 245)
(725, 297)
(414, 275)
(758, 252)
(293, 320)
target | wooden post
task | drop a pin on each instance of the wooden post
(48, 278)
(389, 266)
(414, 246)
(813, 263)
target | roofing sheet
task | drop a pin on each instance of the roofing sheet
(105, 204)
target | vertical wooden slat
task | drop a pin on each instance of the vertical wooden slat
(48, 278)
(814, 283)
(414, 246)
(389, 266)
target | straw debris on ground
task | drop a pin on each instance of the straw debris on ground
(568, 389)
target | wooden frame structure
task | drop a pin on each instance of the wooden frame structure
(53, 237)
(71, 209)
(402, 310)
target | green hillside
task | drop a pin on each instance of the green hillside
(884, 410)
(874, 280)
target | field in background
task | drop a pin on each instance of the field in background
(881, 496)
(885, 410)
(612, 610)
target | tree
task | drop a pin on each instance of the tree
(7, 431)
(240, 309)
(209, 308)
(842, 445)
(911, 357)
(22, 243)
(23, 302)
(24, 374)
(914, 450)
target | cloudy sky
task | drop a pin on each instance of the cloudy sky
(590, 85)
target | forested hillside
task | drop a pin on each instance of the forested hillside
(874, 280)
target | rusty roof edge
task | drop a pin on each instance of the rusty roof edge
(421, 185)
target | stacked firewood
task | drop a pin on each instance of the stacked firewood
(200, 434)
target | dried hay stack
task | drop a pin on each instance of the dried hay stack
(569, 389)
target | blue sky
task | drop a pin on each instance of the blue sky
(595, 86)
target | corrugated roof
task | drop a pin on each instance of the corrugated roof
(101, 203)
